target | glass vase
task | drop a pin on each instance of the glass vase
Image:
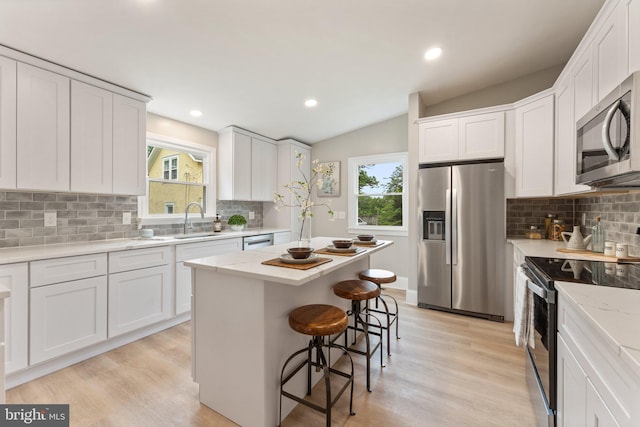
(303, 232)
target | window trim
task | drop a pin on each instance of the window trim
(352, 194)
(208, 177)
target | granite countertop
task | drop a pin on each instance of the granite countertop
(32, 253)
(615, 312)
(248, 263)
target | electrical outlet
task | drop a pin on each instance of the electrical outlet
(252, 215)
(126, 218)
(50, 219)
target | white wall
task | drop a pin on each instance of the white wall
(503, 93)
(172, 128)
(389, 136)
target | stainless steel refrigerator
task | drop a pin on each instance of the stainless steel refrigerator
(461, 253)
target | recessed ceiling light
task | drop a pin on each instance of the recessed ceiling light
(310, 103)
(432, 53)
(196, 113)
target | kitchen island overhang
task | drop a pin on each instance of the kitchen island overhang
(240, 331)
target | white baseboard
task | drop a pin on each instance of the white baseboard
(401, 283)
(412, 297)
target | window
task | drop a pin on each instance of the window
(170, 168)
(378, 194)
(178, 172)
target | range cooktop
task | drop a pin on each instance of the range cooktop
(600, 273)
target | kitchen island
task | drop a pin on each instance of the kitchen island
(241, 334)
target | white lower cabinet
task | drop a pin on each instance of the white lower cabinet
(281, 237)
(67, 316)
(139, 298)
(15, 277)
(595, 386)
(192, 251)
(572, 389)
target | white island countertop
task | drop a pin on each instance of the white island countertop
(249, 263)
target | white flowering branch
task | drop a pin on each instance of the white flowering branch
(301, 191)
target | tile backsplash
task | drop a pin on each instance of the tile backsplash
(620, 215)
(80, 218)
(90, 217)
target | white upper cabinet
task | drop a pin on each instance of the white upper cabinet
(534, 147)
(234, 166)
(7, 123)
(468, 137)
(63, 131)
(42, 130)
(247, 166)
(129, 146)
(263, 170)
(438, 141)
(288, 171)
(633, 25)
(565, 146)
(610, 52)
(481, 136)
(582, 82)
(91, 138)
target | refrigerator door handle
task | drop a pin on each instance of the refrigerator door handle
(447, 228)
(454, 227)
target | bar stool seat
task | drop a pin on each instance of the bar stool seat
(357, 291)
(318, 321)
(381, 277)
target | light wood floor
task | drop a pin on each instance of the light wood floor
(446, 370)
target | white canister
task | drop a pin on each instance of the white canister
(146, 233)
(622, 250)
(610, 248)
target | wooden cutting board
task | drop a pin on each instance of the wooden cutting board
(325, 251)
(597, 256)
(277, 262)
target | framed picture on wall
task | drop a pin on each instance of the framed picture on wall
(330, 177)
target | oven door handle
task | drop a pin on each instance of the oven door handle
(537, 289)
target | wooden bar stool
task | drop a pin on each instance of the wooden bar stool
(319, 321)
(357, 291)
(380, 277)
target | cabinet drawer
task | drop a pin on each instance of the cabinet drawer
(139, 298)
(59, 270)
(204, 249)
(138, 258)
(67, 317)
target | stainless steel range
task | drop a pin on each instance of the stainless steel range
(542, 274)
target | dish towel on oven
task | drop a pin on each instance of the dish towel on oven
(523, 312)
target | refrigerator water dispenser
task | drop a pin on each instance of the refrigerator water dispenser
(433, 225)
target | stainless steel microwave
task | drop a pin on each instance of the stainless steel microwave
(608, 139)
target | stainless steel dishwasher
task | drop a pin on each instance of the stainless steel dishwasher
(259, 241)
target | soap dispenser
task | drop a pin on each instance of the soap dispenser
(217, 224)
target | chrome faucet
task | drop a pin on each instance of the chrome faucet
(187, 224)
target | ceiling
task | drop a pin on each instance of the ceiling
(252, 63)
